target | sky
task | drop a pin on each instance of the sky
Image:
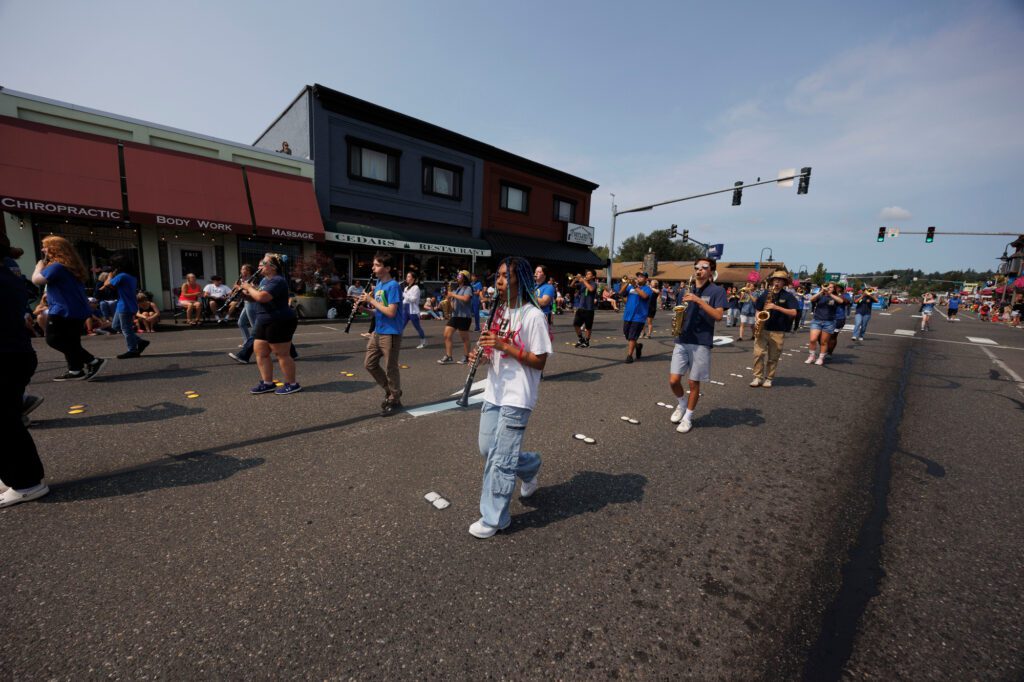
(909, 113)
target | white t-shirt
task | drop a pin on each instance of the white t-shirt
(217, 290)
(411, 299)
(509, 383)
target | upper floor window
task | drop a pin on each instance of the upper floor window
(373, 162)
(515, 198)
(442, 179)
(565, 209)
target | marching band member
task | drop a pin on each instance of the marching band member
(462, 313)
(386, 340)
(927, 308)
(516, 348)
(274, 326)
(823, 322)
(544, 292)
(747, 312)
(865, 298)
(692, 351)
(586, 299)
(634, 316)
(781, 306)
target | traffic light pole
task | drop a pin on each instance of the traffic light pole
(803, 175)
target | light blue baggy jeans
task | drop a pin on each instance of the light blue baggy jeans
(125, 323)
(860, 325)
(501, 440)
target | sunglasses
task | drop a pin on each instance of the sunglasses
(702, 267)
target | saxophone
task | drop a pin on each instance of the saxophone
(446, 303)
(679, 312)
(763, 315)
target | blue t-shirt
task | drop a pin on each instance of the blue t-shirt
(842, 308)
(388, 293)
(542, 291)
(699, 329)
(277, 307)
(477, 287)
(636, 307)
(126, 285)
(65, 293)
(954, 303)
(585, 298)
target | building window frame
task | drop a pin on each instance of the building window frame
(571, 203)
(428, 179)
(354, 163)
(505, 187)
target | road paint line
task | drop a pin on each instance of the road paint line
(905, 332)
(1003, 366)
(981, 339)
(886, 314)
(331, 328)
(441, 407)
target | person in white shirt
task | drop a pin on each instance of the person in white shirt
(411, 302)
(216, 292)
(516, 347)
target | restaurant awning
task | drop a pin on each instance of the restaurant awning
(541, 252)
(184, 191)
(58, 172)
(406, 239)
(284, 206)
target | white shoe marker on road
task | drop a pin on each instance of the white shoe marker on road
(905, 332)
(979, 339)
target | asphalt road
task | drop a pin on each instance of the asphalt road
(858, 520)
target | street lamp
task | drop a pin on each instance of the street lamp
(761, 258)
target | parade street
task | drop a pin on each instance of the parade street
(858, 519)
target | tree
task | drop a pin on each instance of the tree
(819, 274)
(601, 252)
(660, 242)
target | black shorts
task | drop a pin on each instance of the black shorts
(652, 308)
(631, 330)
(275, 331)
(459, 323)
(583, 318)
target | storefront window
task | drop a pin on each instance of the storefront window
(448, 267)
(95, 245)
(362, 266)
(252, 250)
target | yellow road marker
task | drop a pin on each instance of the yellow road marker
(75, 411)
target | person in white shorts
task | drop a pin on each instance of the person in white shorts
(692, 352)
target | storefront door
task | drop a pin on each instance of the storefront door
(197, 259)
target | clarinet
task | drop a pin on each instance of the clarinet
(370, 284)
(463, 400)
(236, 294)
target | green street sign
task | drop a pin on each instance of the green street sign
(833, 276)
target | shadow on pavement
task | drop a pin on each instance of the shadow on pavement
(171, 372)
(140, 415)
(193, 468)
(587, 492)
(585, 377)
(932, 468)
(341, 386)
(793, 381)
(726, 417)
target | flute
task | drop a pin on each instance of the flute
(463, 400)
(370, 284)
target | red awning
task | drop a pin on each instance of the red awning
(60, 172)
(184, 191)
(284, 205)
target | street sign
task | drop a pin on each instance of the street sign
(786, 173)
(894, 232)
(833, 276)
(716, 250)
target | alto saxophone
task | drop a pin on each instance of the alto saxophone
(446, 302)
(763, 315)
(679, 312)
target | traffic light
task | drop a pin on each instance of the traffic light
(929, 237)
(881, 235)
(675, 232)
(686, 235)
(737, 194)
(805, 180)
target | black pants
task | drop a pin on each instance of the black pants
(66, 336)
(19, 461)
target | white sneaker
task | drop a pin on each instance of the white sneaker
(810, 359)
(677, 414)
(12, 496)
(529, 487)
(423, 344)
(755, 383)
(685, 426)
(820, 360)
(481, 530)
(767, 383)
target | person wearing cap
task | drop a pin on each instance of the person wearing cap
(216, 292)
(781, 307)
(462, 314)
(691, 354)
(634, 315)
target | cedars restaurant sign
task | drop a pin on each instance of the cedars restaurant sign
(579, 234)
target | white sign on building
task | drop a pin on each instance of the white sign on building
(579, 234)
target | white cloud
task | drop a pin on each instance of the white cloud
(894, 213)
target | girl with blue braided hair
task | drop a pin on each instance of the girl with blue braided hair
(516, 346)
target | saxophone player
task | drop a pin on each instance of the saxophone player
(691, 354)
(770, 334)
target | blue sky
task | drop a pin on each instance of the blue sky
(909, 113)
